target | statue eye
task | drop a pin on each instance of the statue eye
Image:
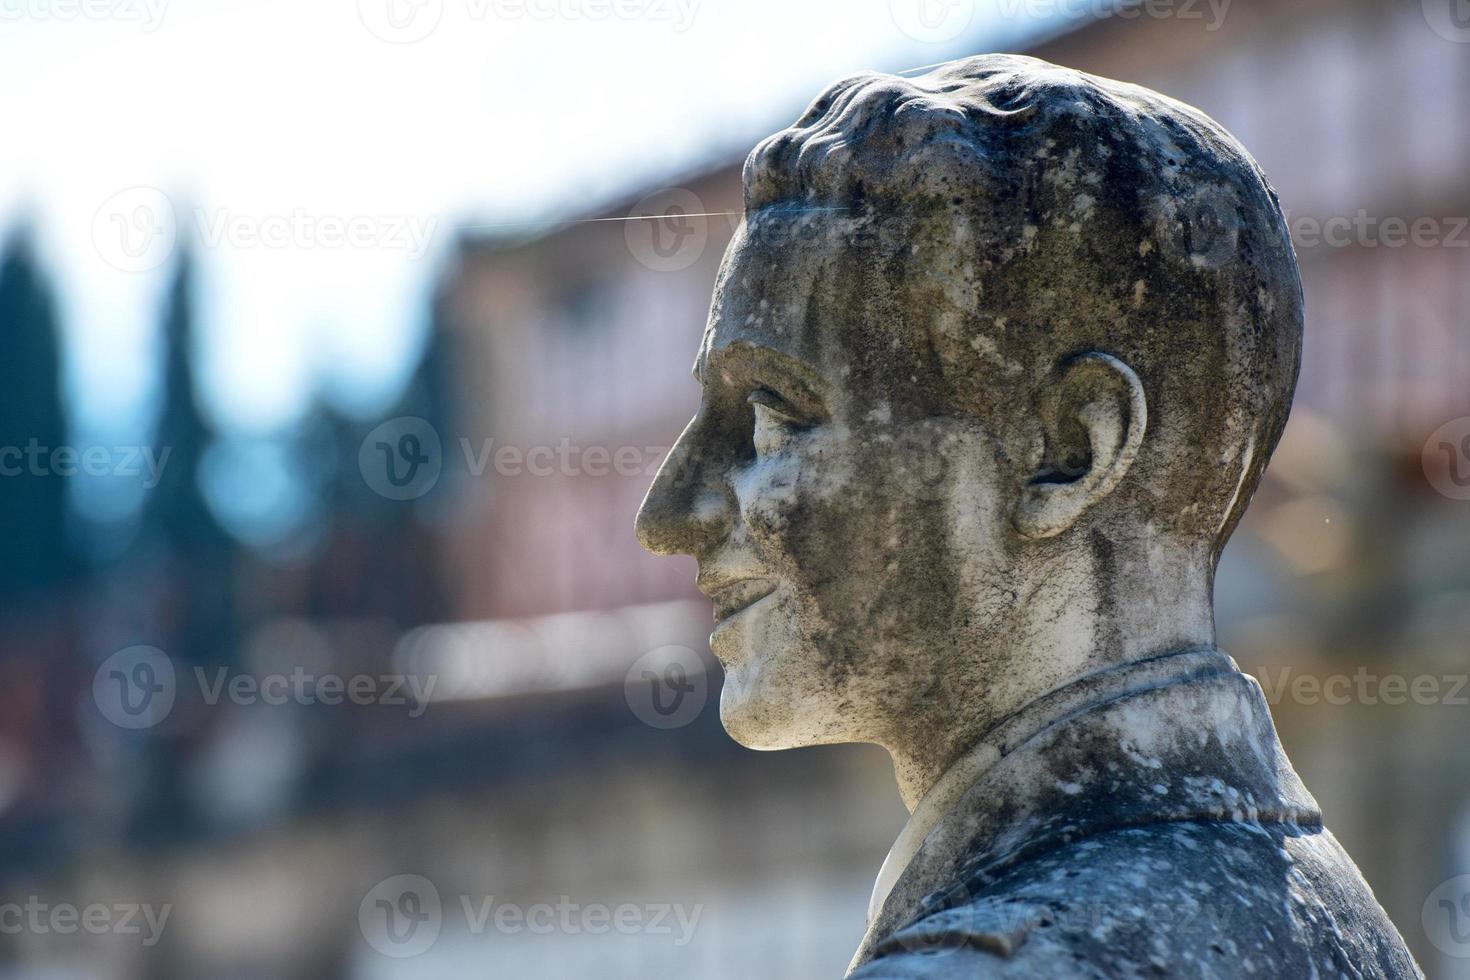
(775, 405)
(776, 421)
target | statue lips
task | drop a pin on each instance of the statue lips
(731, 597)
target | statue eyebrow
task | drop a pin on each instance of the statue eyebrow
(799, 380)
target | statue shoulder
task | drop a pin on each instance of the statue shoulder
(1183, 898)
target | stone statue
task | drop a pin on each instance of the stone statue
(993, 367)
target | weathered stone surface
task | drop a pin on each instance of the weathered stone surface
(993, 367)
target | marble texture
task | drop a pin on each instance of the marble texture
(993, 366)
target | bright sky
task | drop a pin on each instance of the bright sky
(321, 153)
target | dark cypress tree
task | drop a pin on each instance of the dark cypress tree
(33, 508)
(431, 390)
(176, 516)
(430, 394)
(193, 558)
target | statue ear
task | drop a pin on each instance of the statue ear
(1094, 416)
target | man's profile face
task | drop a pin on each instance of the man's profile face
(849, 532)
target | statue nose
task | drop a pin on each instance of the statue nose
(688, 509)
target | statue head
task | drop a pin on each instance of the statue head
(993, 366)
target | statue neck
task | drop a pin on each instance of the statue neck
(1130, 615)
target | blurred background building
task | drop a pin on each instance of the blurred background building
(476, 535)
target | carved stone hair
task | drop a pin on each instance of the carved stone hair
(1029, 212)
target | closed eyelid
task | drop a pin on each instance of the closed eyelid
(743, 368)
(775, 401)
(792, 380)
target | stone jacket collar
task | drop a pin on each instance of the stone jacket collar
(1177, 737)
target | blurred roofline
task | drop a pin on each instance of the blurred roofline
(489, 239)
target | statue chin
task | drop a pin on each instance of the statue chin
(743, 723)
(753, 713)
(775, 694)
(769, 710)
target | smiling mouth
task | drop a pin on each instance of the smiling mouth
(738, 596)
